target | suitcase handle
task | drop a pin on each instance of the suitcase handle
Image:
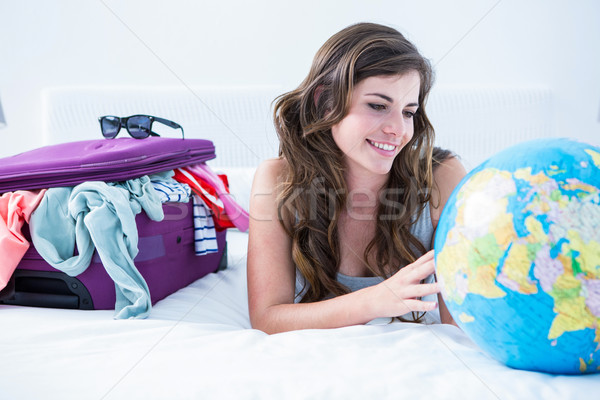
(53, 289)
(44, 300)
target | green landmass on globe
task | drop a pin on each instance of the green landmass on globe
(518, 256)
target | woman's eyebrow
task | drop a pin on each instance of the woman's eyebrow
(389, 99)
(383, 96)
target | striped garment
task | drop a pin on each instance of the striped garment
(205, 235)
(169, 190)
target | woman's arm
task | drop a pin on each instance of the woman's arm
(446, 177)
(271, 271)
(271, 275)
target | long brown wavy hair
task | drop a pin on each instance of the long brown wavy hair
(313, 192)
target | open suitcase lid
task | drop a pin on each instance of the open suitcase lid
(69, 164)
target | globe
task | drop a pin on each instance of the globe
(517, 253)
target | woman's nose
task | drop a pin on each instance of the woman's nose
(396, 124)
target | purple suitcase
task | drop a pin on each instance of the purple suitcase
(166, 257)
(69, 164)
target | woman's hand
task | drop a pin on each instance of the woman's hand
(398, 294)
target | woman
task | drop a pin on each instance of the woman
(350, 207)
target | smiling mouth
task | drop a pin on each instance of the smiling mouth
(382, 146)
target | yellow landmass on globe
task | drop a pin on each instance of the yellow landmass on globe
(589, 253)
(582, 365)
(460, 278)
(579, 186)
(565, 281)
(479, 182)
(595, 156)
(572, 315)
(525, 174)
(571, 311)
(536, 230)
(516, 269)
(466, 318)
(503, 229)
(482, 282)
(453, 258)
(544, 207)
(540, 204)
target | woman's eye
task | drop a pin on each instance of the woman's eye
(377, 107)
(409, 114)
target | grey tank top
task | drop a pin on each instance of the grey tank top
(422, 229)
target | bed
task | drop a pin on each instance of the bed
(198, 342)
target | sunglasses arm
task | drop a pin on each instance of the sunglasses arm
(170, 123)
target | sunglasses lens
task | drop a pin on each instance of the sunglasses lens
(110, 127)
(139, 126)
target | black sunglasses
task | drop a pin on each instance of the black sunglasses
(138, 126)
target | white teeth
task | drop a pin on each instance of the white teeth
(383, 146)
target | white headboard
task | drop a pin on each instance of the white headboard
(237, 120)
(477, 122)
(474, 122)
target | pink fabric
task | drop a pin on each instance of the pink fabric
(234, 211)
(15, 210)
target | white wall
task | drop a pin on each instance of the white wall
(182, 43)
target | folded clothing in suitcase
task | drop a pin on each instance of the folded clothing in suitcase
(166, 259)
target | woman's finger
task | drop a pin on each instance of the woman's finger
(425, 257)
(422, 290)
(419, 305)
(418, 270)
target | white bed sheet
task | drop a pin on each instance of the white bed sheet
(198, 344)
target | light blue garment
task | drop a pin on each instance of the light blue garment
(101, 216)
(422, 229)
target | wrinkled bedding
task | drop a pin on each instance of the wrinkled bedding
(198, 344)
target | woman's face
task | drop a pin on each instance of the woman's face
(379, 122)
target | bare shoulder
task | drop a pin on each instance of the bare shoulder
(265, 190)
(268, 173)
(446, 176)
